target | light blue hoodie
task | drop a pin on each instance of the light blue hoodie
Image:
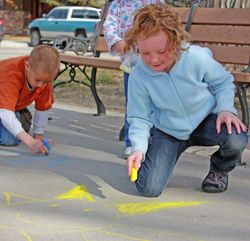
(178, 101)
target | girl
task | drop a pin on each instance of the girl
(119, 20)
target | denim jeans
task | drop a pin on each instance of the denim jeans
(164, 151)
(126, 124)
(6, 138)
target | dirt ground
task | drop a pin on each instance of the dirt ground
(109, 88)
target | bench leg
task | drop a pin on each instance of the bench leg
(92, 79)
(122, 134)
(100, 106)
(56, 82)
(241, 92)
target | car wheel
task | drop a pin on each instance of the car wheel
(79, 46)
(35, 38)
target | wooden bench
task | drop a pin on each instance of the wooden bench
(225, 31)
(84, 62)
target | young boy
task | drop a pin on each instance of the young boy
(23, 80)
(182, 97)
(119, 20)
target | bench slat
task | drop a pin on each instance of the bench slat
(241, 77)
(220, 34)
(103, 63)
(234, 16)
(230, 54)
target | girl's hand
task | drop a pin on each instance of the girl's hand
(134, 160)
(229, 119)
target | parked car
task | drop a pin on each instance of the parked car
(71, 20)
(1, 30)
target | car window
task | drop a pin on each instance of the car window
(92, 14)
(58, 14)
(80, 13)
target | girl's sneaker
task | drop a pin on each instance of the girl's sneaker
(215, 182)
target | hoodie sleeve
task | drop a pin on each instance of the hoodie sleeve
(139, 113)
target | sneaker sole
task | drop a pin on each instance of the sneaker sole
(213, 190)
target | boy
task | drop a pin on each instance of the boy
(182, 97)
(23, 80)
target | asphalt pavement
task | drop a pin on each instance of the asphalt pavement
(81, 191)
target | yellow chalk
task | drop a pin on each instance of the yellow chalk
(134, 175)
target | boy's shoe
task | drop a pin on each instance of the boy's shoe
(127, 152)
(215, 182)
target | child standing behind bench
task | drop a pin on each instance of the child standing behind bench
(118, 21)
(181, 96)
(23, 80)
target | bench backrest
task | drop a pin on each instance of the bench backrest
(225, 31)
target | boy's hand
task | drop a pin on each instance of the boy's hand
(134, 160)
(37, 146)
(38, 137)
(228, 118)
(49, 141)
(34, 143)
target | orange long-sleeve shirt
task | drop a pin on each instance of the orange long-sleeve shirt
(14, 92)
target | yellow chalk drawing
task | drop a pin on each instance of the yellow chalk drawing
(88, 209)
(142, 208)
(53, 205)
(79, 192)
(110, 216)
(26, 236)
(15, 199)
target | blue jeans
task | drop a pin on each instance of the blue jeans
(6, 138)
(126, 124)
(164, 151)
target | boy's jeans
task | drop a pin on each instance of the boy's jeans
(6, 138)
(164, 151)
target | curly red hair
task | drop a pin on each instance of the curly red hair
(152, 19)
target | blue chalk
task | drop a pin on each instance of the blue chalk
(48, 146)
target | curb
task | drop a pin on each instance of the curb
(9, 43)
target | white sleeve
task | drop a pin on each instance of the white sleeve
(40, 121)
(10, 122)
